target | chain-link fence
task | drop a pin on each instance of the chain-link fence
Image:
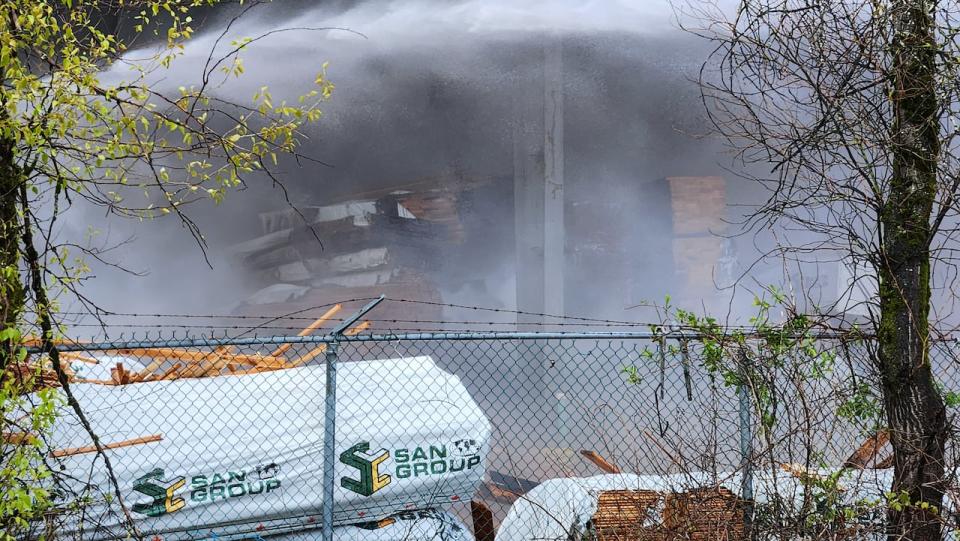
(448, 436)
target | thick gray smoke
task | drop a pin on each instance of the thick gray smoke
(432, 90)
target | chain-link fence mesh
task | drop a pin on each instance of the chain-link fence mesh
(531, 436)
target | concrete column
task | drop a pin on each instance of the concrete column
(554, 240)
(539, 186)
(541, 239)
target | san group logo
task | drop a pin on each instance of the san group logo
(204, 487)
(360, 457)
(163, 493)
(408, 462)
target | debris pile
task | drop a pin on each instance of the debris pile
(387, 242)
(229, 444)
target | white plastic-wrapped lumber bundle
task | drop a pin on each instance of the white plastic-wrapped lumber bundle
(240, 454)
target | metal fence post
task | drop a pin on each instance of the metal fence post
(746, 440)
(330, 418)
(329, 433)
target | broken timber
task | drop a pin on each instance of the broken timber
(174, 363)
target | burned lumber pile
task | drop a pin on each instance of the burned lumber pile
(138, 365)
(354, 249)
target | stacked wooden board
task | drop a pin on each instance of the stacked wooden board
(139, 365)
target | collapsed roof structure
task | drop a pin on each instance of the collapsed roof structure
(386, 241)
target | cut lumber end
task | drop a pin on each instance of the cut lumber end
(599, 461)
(868, 451)
(114, 445)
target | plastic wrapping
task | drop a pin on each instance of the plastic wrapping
(245, 453)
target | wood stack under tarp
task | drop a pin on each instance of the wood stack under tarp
(168, 363)
(704, 514)
(625, 514)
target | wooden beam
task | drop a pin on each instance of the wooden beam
(115, 445)
(885, 463)
(216, 366)
(364, 325)
(71, 356)
(171, 373)
(323, 347)
(120, 375)
(196, 356)
(18, 438)
(309, 356)
(310, 328)
(868, 451)
(599, 461)
(501, 493)
(96, 381)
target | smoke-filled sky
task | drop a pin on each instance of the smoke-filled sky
(431, 88)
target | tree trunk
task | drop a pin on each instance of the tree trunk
(11, 284)
(914, 407)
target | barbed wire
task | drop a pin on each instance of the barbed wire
(382, 320)
(263, 322)
(295, 315)
(290, 315)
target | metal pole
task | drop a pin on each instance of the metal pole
(746, 441)
(329, 433)
(330, 418)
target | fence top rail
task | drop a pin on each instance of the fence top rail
(69, 346)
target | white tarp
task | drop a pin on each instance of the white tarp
(561, 508)
(244, 453)
(420, 525)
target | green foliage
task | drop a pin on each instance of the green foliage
(951, 399)
(863, 406)
(898, 501)
(82, 116)
(746, 358)
(782, 347)
(24, 496)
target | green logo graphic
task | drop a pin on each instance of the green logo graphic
(162, 492)
(360, 457)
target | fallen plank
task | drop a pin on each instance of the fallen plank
(115, 445)
(193, 370)
(323, 347)
(120, 375)
(96, 381)
(171, 372)
(195, 356)
(217, 357)
(36, 341)
(309, 356)
(599, 461)
(151, 368)
(364, 325)
(310, 328)
(868, 451)
(78, 357)
(18, 438)
(217, 365)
